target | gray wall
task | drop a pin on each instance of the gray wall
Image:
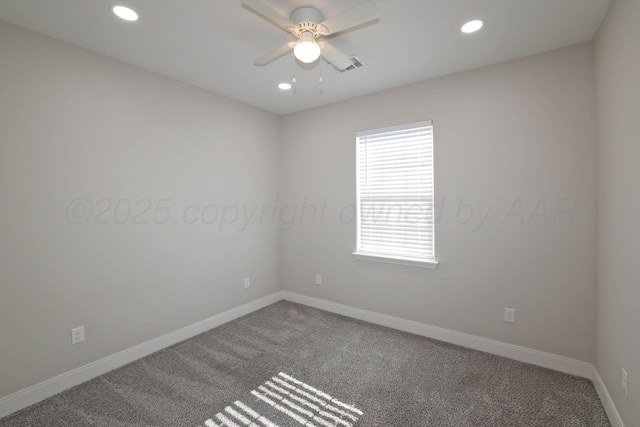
(618, 194)
(74, 124)
(514, 148)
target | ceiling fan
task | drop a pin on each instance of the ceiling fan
(307, 25)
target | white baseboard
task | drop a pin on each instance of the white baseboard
(612, 412)
(522, 354)
(48, 388)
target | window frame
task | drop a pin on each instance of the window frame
(360, 254)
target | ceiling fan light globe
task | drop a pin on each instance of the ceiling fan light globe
(307, 51)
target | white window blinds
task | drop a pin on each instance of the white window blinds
(395, 192)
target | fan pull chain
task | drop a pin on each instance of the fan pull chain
(320, 80)
(293, 71)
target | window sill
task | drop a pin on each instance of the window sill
(414, 262)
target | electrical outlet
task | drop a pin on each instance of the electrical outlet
(510, 315)
(247, 283)
(624, 381)
(318, 279)
(77, 335)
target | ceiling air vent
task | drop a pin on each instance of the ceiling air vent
(355, 63)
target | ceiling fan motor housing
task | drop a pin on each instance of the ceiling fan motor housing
(306, 15)
(307, 20)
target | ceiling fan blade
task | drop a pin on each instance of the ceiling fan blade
(359, 15)
(268, 12)
(274, 54)
(335, 57)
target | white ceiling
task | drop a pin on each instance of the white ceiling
(212, 43)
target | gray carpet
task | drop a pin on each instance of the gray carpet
(291, 365)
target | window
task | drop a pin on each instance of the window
(395, 206)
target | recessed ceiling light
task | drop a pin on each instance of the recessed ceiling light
(472, 26)
(284, 86)
(125, 13)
